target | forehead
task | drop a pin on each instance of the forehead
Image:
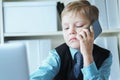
(72, 16)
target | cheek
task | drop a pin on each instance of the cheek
(66, 37)
(78, 30)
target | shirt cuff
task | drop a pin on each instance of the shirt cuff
(90, 71)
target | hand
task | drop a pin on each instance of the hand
(86, 38)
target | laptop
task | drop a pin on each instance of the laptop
(13, 62)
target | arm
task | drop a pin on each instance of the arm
(48, 69)
(91, 72)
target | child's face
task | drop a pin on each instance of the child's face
(71, 26)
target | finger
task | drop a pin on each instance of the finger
(87, 31)
(91, 29)
(79, 37)
(83, 34)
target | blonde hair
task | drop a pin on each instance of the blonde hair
(83, 8)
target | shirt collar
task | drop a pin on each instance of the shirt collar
(73, 51)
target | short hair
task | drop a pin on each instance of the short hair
(82, 7)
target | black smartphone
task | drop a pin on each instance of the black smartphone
(97, 29)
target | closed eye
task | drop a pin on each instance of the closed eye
(79, 26)
(66, 28)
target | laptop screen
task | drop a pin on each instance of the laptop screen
(13, 62)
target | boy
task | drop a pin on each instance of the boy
(94, 62)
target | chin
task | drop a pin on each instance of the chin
(74, 45)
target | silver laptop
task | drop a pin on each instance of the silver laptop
(13, 62)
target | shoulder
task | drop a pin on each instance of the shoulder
(62, 47)
(52, 52)
(100, 55)
(60, 51)
(63, 51)
(100, 50)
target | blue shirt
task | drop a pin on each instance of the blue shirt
(50, 67)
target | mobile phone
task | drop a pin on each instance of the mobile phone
(97, 29)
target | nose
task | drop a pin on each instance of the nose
(72, 30)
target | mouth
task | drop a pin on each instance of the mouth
(73, 39)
